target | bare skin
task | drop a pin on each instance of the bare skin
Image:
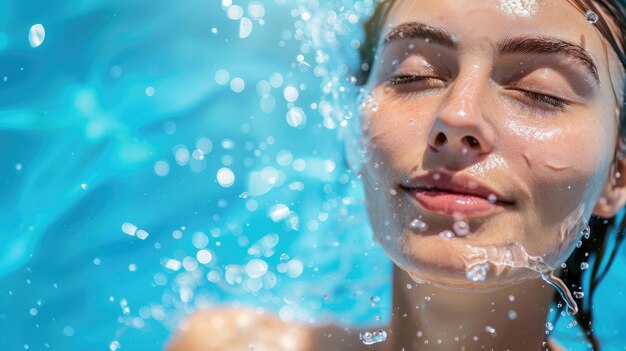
(473, 117)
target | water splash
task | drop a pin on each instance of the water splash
(514, 254)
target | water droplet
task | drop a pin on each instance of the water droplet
(436, 176)
(492, 198)
(511, 298)
(68, 330)
(584, 265)
(115, 345)
(477, 272)
(245, 27)
(461, 228)
(446, 235)
(36, 35)
(374, 301)
(173, 264)
(256, 268)
(579, 294)
(278, 212)
(290, 94)
(490, 330)
(129, 228)
(83, 186)
(512, 314)
(18, 166)
(161, 168)
(549, 326)
(592, 17)
(142, 234)
(579, 244)
(204, 256)
(369, 338)
(417, 224)
(225, 177)
(586, 232)
(150, 91)
(237, 85)
(296, 117)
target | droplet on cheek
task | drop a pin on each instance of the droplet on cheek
(419, 225)
(592, 17)
(446, 235)
(461, 228)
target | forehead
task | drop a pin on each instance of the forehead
(490, 20)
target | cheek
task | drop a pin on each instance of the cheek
(562, 172)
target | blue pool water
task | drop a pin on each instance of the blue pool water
(131, 117)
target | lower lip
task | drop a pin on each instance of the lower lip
(452, 203)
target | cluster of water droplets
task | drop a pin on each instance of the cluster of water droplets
(373, 337)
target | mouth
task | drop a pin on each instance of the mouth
(454, 194)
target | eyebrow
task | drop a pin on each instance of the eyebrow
(525, 44)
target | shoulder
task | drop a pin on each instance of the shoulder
(226, 329)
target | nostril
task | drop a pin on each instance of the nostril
(471, 141)
(440, 140)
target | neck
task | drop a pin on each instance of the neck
(427, 317)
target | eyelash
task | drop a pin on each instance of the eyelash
(555, 104)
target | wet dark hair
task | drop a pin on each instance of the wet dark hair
(606, 234)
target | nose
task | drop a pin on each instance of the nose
(460, 127)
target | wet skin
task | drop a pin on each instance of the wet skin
(459, 95)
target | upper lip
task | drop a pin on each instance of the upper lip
(458, 183)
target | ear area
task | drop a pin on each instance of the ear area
(613, 196)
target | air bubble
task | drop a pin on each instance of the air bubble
(579, 294)
(490, 330)
(492, 198)
(592, 17)
(584, 265)
(370, 338)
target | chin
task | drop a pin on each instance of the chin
(428, 259)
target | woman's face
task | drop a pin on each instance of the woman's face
(492, 122)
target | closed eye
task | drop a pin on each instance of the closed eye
(405, 79)
(547, 99)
